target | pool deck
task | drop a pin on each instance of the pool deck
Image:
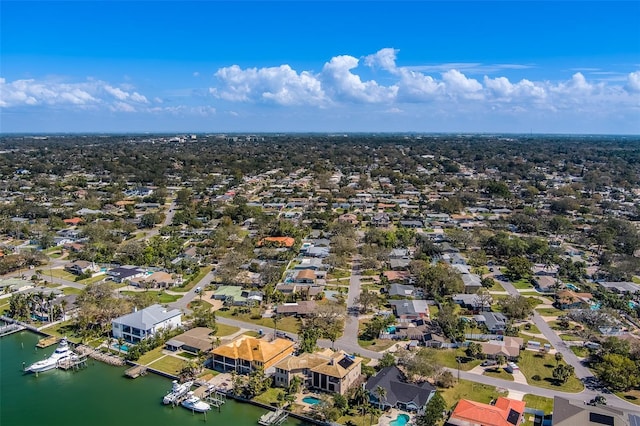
(389, 416)
(307, 407)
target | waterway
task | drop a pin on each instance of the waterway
(98, 395)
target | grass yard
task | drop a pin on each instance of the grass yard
(447, 358)
(64, 329)
(71, 290)
(225, 330)
(355, 418)
(532, 364)
(195, 280)
(498, 373)
(496, 286)
(168, 364)
(580, 351)
(570, 338)
(151, 356)
(466, 389)
(61, 273)
(251, 333)
(522, 284)
(532, 328)
(93, 280)
(539, 403)
(159, 296)
(289, 324)
(269, 397)
(433, 310)
(377, 345)
(550, 312)
(636, 279)
(338, 273)
(632, 396)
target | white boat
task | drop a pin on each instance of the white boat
(63, 352)
(196, 404)
(177, 390)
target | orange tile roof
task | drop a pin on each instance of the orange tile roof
(252, 349)
(282, 241)
(73, 221)
(484, 414)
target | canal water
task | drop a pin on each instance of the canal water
(98, 395)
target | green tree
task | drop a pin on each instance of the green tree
(618, 372)
(517, 268)
(366, 299)
(387, 360)
(433, 413)
(562, 373)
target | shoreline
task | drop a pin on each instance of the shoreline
(163, 374)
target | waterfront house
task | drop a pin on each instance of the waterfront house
(144, 323)
(325, 370)
(398, 393)
(247, 353)
(195, 341)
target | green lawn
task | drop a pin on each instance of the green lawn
(71, 290)
(550, 312)
(151, 356)
(192, 283)
(225, 330)
(93, 280)
(531, 329)
(498, 373)
(269, 397)
(532, 364)
(289, 324)
(64, 329)
(522, 284)
(159, 296)
(496, 286)
(168, 364)
(632, 396)
(636, 279)
(570, 338)
(338, 273)
(433, 310)
(60, 273)
(580, 351)
(471, 390)
(447, 358)
(355, 418)
(539, 403)
(377, 345)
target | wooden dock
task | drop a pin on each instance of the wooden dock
(100, 356)
(73, 363)
(136, 371)
(47, 341)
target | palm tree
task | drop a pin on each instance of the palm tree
(276, 318)
(381, 394)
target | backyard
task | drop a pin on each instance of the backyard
(466, 389)
(289, 324)
(534, 365)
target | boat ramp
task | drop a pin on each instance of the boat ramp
(273, 417)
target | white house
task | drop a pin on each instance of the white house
(141, 324)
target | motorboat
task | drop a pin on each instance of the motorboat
(195, 404)
(177, 390)
(63, 352)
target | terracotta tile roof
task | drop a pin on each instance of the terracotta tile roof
(282, 241)
(73, 221)
(306, 274)
(505, 412)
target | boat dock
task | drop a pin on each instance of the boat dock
(136, 371)
(73, 363)
(211, 395)
(5, 330)
(47, 341)
(273, 418)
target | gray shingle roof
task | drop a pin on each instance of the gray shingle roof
(392, 380)
(146, 318)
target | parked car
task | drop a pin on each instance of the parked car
(489, 362)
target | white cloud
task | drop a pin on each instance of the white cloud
(81, 94)
(458, 84)
(344, 85)
(633, 82)
(280, 85)
(383, 58)
(502, 89)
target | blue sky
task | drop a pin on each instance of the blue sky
(329, 66)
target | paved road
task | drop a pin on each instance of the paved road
(592, 385)
(168, 219)
(349, 337)
(191, 294)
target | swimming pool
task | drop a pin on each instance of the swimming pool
(571, 287)
(311, 400)
(401, 420)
